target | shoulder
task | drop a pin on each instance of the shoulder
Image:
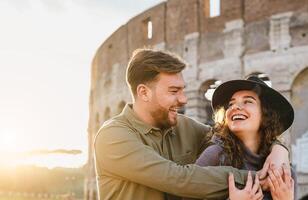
(211, 156)
(213, 149)
(115, 129)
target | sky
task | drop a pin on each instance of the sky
(46, 50)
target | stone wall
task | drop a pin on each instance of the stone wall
(249, 36)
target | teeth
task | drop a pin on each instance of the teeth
(238, 117)
(173, 109)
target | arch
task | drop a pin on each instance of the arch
(94, 195)
(263, 76)
(107, 114)
(205, 111)
(97, 122)
(299, 98)
(88, 195)
(121, 105)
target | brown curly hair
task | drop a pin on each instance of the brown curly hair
(270, 128)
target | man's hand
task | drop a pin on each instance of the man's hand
(278, 156)
(250, 192)
(282, 187)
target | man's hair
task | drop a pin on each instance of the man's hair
(146, 64)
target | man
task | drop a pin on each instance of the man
(146, 152)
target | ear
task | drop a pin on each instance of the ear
(144, 93)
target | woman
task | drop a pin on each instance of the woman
(249, 116)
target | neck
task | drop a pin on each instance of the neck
(143, 113)
(251, 141)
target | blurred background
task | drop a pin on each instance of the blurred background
(221, 40)
(46, 51)
(62, 75)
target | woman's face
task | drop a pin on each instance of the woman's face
(243, 114)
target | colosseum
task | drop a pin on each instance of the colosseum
(268, 38)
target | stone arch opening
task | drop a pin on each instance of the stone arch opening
(107, 114)
(263, 76)
(205, 111)
(94, 197)
(299, 98)
(121, 105)
(97, 122)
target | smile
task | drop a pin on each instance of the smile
(173, 110)
(238, 117)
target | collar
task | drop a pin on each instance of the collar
(140, 125)
(135, 121)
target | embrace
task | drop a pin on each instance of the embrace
(149, 151)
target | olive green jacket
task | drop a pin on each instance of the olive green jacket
(135, 161)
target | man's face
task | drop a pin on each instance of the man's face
(166, 99)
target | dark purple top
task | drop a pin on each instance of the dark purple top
(214, 156)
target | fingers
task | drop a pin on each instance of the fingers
(259, 195)
(273, 179)
(292, 184)
(275, 167)
(271, 185)
(231, 183)
(256, 185)
(279, 188)
(286, 174)
(248, 182)
(278, 177)
(263, 172)
(256, 189)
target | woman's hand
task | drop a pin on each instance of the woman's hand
(250, 192)
(281, 187)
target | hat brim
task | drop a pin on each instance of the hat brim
(279, 103)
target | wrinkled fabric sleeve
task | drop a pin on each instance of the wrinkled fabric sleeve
(209, 157)
(121, 152)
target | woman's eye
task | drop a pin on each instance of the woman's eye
(230, 105)
(247, 101)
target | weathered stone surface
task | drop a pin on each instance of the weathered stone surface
(249, 36)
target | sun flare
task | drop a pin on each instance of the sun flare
(8, 142)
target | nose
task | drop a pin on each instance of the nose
(237, 106)
(182, 99)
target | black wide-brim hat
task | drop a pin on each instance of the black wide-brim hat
(279, 103)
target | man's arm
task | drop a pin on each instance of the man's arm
(279, 155)
(119, 151)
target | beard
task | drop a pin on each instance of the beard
(161, 118)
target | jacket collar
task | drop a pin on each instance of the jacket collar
(137, 123)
